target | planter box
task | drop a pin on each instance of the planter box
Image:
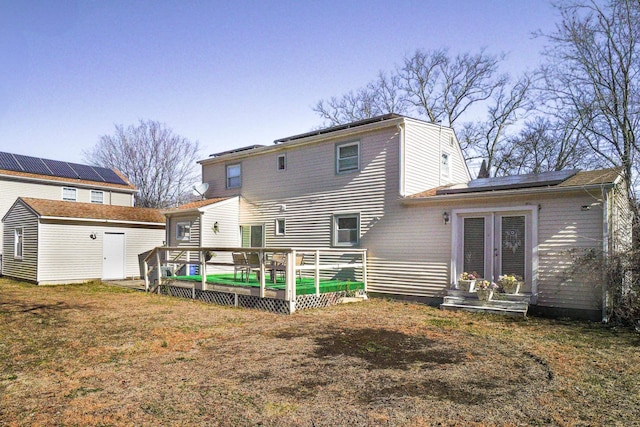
(466, 285)
(511, 288)
(484, 294)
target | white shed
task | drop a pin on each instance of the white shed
(52, 241)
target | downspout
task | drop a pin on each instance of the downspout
(401, 154)
(605, 253)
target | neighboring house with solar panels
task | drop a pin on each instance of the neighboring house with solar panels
(388, 184)
(80, 187)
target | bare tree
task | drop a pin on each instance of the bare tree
(157, 161)
(544, 145)
(440, 87)
(381, 96)
(488, 140)
(594, 77)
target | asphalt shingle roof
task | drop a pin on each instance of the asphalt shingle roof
(63, 209)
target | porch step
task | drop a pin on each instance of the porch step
(508, 304)
(485, 309)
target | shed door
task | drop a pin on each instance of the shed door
(113, 256)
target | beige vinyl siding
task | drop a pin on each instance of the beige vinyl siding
(309, 192)
(409, 252)
(194, 237)
(118, 199)
(12, 188)
(27, 267)
(226, 214)
(424, 144)
(564, 226)
(67, 254)
(621, 218)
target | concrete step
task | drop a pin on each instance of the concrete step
(515, 305)
(519, 312)
(496, 296)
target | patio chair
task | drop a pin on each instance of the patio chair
(279, 265)
(240, 264)
(253, 264)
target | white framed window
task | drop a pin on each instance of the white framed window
(346, 230)
(282, 162)
(97, 196)
(348, 157)
(183, 230)
(280, 226)
(18, 242)
(234, 175)
(69, 194)
(445, 165)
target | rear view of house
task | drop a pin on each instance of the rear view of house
(400, 189)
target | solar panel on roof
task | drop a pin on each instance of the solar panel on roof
(35, 165)
(512, 182)
(61, 169)
(32, 164)
(109, 175)
(7, 162)
(86, 172)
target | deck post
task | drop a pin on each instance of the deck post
(203, 270)
(293, 277)
(290, 276)
(316, 275)
(364, 270)
(262, 271)
(146, 275)
(158, 271)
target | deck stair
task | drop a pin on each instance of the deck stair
(507, 304)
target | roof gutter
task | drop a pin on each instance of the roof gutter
(502, 193)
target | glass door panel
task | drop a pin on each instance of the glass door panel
(474, 245)
(512, 246)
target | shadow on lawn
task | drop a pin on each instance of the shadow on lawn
(383, 349)
(39, 310)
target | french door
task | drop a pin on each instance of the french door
(495, 243)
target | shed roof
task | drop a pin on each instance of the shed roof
(571, 179)
(194, 206)
(92, 211)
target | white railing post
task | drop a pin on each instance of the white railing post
(364, 270)
(158, 272)
(146, 275)
(203, 270)
(291, 275)
(316, 273)
(262, 271)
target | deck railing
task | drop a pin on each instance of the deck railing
(316, 260)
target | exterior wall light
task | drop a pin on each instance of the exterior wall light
(216, 227)
(445, 217)
(93, 236)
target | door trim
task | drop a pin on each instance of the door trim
(456, 239)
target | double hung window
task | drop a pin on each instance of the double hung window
(348, 157)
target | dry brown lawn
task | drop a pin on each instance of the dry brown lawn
(101, 355)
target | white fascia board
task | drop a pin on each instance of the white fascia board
(63, 182)
(103, 221)
(342, 133)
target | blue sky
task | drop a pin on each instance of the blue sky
(225, 73)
